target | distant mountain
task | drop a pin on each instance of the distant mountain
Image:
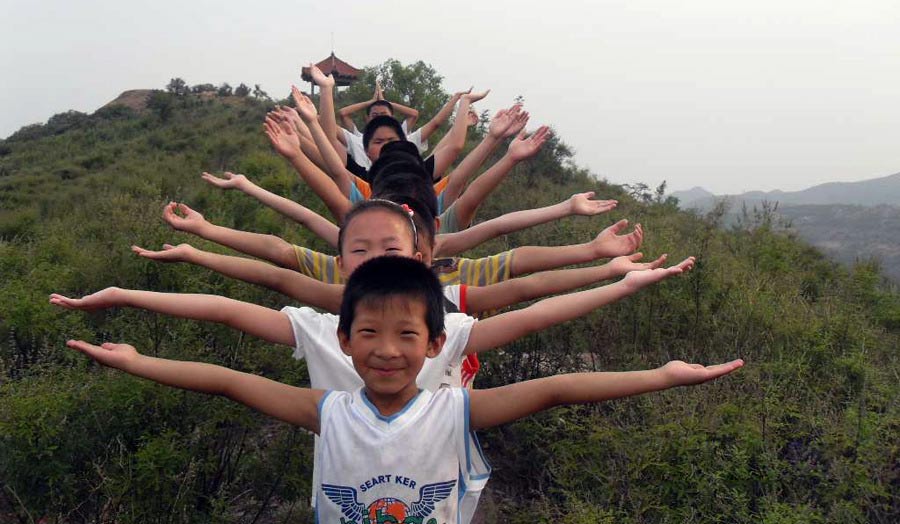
(873, 192)
(848, 221)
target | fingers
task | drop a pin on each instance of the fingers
(62, 301)
(658, 262)
(634, 257)
(86, 348)
(618, 226)
(719, 370)
(686, 264)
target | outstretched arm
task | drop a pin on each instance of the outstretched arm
(326, 110)
(446, 110)
(609, 243)
(262, 322)
(346, 112)
(506, 123)
(495, 406)
(307, 218)
(450, 244)
(456, 140)
(285, 281)
(545, 283)
(520, 149)
(298, 406)
(286, 142)
(336, 165)
(507, 327)
(266, 247)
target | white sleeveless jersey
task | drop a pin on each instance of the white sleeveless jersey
(419, 465)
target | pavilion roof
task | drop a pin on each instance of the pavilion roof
(342, 72)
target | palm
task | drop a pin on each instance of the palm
(230, 181)
(99, 300)
(610, 243)
(583, 205)
(681, 373)
(526, 147)
(282, 138)
(169, 253)
(642, 278)
(474, 97)
(108, 354)
(320, 78)
(305, 106)
(517, 125)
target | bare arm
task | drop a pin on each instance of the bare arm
(450, 244)
(285, 281)
(609, 243)
(346, 112)
(259, 321)
(441, 117)
(297, 406)
(286, 142)
(336, 165)
(506, 123)
(492, 407)
(507, 327)
(307, 218)
(545, 283)
(446, 155)
(411, 115)
(520, 149)
(266, 247)
(326, 111)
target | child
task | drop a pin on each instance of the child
(390, 448)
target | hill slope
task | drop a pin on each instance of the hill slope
(805, 433)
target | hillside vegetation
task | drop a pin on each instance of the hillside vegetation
(806, 432)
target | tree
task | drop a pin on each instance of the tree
(203, 88)
(259, 93)
(178, 87)
(224, 89)
(241, 90)
(161, 104)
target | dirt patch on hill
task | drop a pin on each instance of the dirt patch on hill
(135, 99)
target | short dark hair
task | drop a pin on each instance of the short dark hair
(377, 103)
(381, 121)
(368, 205)
(384, 277)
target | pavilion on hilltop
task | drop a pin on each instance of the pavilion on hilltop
(344, 74)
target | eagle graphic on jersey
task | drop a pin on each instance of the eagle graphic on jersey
(389, 509)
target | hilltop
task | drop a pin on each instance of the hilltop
(806, 432)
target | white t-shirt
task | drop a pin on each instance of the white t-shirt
(355, 144)
(422, 462)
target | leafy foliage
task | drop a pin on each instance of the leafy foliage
(806, 432)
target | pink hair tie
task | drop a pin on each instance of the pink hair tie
(407, 209)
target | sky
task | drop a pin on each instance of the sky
(730, 96)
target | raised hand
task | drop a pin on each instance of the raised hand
(305, 106)
(503, 120)
(457, 95)
(170, 253)
(474, 97)
(191, 220)
(472, 117)
(518, 123)
(228, 180)
(113, 355)
(523, 147)
(626, 263)
(103, 299)
(379, 93)
(581, 204)
(645, 277)
(609, 243)
(319, 77)
(680, 373)
(282, 137)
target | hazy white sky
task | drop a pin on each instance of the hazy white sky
(730, 96)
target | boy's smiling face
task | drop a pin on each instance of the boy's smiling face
(389, 342)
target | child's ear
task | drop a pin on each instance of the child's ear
(418, 256)
(437, 223)
(435, 346)
(344, 342)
